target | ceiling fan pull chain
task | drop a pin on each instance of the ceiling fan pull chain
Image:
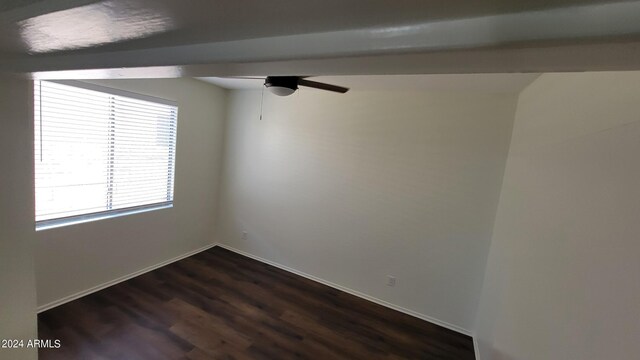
(261, 101)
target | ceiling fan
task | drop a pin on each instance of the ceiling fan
(287, 85)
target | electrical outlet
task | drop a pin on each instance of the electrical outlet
(244, 235)
(391, 280)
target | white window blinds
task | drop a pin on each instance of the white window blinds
(100, 152)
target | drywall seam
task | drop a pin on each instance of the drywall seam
(91, 290)
(353, 292)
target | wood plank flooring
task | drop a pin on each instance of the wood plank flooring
(221, 305)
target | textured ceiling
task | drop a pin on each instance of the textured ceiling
(322, 37)
(58, 25)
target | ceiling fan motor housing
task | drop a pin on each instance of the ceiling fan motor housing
(289, 82)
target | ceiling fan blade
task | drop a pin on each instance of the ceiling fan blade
(322, 86)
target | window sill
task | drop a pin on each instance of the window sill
(80, 219)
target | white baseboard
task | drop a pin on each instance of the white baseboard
(418, 315)
(91, 290)
(353, 292)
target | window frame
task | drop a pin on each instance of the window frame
(110, 213)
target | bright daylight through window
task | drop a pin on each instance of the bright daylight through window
(100, 152)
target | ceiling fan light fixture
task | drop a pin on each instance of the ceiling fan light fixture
(281, 90)
(281, 85)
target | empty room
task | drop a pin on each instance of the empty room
(319, 179)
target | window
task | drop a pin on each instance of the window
(100, 152)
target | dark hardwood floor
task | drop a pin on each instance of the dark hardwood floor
(221, 305)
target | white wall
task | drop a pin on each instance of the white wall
(17, 280)
(562, 277)
(75, 258)
(350, 188)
